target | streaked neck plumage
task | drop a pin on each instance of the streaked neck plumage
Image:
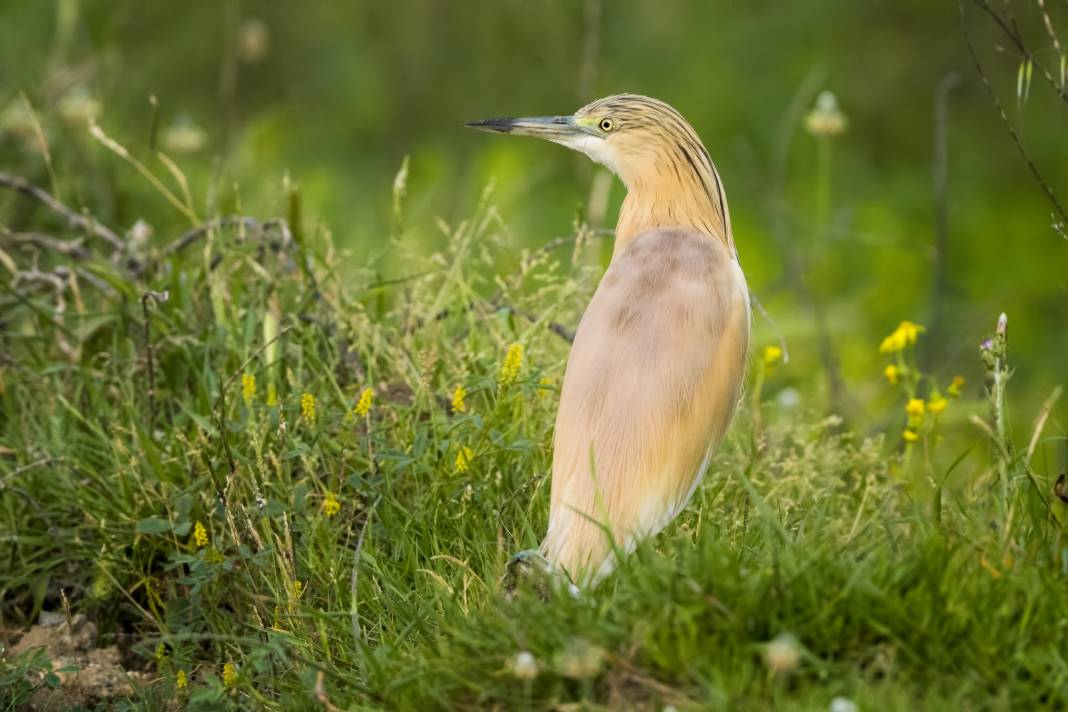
(664, 197)
(670, 178)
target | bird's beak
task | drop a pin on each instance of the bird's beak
(553, 128)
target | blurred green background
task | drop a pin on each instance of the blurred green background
(336, 95)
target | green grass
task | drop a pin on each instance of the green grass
(899, 595)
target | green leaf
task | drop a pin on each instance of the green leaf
(153, 525)
(183, 505)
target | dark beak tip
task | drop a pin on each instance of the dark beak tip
(499, 125)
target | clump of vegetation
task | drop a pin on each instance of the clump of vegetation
(272, 484)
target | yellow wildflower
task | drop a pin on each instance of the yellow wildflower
(891, 372)
(200, 536)
(161, 652)
(955, 386)
(213, 556)
(248, 387)
(911, 331)
(915, 407)
(546, 386)
(772, 355)
(229, 674)
(910, 436)
(330, 505)
(463, 459)
(937, 404)
(458, 404)
(513, 361)
(180, 680)
(367, 399)
(904, 335)
(298, 588)
(307, 407)
(272, 395)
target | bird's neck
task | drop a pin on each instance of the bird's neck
(692, 199)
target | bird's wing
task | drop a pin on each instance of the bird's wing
(650, 386)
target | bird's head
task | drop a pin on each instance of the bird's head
(634, 136)
(670, 178)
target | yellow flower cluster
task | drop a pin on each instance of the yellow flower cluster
(772, 355)
(458, 404)
(229, 674)
(463, 459)
(906, 372)
(180, 680)
(200, 536)
(366, 400)
(916, 408)
(513, 361)
(307, 407)
(904, 335)
(248, 388)
(331, 506)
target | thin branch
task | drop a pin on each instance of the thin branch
(1001, 110)
(243, 221)
(70, 248)
(569, 239)
(86, 222)
(560, 330)
(1013, 34)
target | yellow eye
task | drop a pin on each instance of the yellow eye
(607, 125)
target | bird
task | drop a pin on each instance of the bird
(658, 360)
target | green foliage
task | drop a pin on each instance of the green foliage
(22, 675)
(287, 458)
(337, 94)
(215, 493)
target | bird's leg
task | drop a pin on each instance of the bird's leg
(530, 567)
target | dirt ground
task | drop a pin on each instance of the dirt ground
(88, 675)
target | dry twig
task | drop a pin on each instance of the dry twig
(86, 222)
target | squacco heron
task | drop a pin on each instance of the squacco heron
(657, 364)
